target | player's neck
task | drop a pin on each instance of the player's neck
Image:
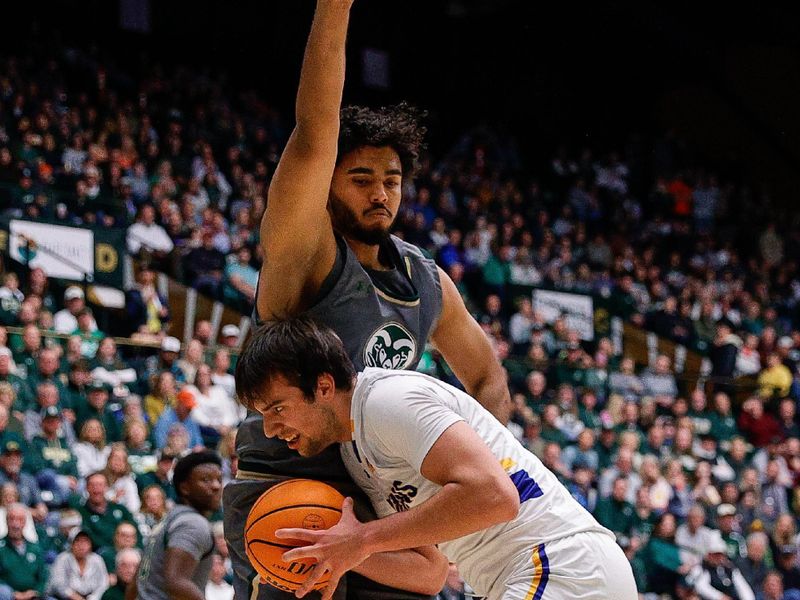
(341, 410)
(369, 255)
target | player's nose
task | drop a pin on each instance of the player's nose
(270, 428)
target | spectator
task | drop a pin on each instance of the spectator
(664, 561)
(693, 536)
(50, 456)
(239, 285)
(66, 320)
(101, 517)
(217, 588)
(717, 578)
(91, 450)
(161, 397)
(659, 382)
(126, 564)
(124, 538)
(154, 507)
(179, 414)
(97, 407)
(216, 412)
(220, 374)
(147, 236)
(147, 309)
(78, 572)
(11, 455)
(615, 512)
(623, 468)
(753, 565)
(786, 565)
(229, 336)
(204, 267)
(193, 358)
(775, 380)
(759, 426)
(625, 383)
(121, 486)
(734, 542)
(23, 573)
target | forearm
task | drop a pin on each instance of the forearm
(492, 392)
(420, 570)
(319, 95)
(455, 511)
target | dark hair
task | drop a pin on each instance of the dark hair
(395, 126)
(299, 349)
(185, 466)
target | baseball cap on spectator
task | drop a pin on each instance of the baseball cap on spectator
(73, 292)
(78, 532)
(785, 342)
(186, 398)
(5, 351)
(51, 411)
(787, 550)
(574, 346)
(230, 331)
(170, 344)
(11, 446)
(726, 510)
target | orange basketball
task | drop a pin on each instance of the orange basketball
(294, 503)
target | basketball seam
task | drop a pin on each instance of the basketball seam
(272, 512)
(275, 544)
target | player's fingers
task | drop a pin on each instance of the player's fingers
(301, 552)
(347, 509)
(327, 592)
(311, 580)
(306, 535)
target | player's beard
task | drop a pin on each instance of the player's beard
(345, 221)
(327, 424)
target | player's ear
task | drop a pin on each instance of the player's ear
(326, 386)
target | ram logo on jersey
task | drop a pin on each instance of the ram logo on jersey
(390, 347)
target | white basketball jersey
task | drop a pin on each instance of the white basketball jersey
(397, 416)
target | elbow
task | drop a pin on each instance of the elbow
(438, 575)
(504, 503)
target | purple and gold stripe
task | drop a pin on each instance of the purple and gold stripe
(541, 573)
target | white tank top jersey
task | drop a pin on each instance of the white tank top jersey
(397, 416)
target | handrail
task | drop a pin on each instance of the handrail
(120, 341)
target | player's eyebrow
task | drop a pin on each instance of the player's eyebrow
(360, 171)
(368, 171)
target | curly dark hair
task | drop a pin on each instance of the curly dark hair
(397, 126)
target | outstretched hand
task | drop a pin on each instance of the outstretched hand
(338, 550)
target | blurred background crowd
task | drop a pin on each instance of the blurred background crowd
(696, 471)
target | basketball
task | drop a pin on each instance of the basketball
(295, 503)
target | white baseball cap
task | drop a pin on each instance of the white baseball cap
(73, 292)
(171, 344)
(230, 331)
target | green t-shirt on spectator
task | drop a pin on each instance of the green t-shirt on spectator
(23, 571)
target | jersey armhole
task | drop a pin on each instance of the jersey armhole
(330, 281)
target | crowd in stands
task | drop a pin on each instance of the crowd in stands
(697, 474)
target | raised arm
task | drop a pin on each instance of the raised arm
(296, 233)
(468, 352)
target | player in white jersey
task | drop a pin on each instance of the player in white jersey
(438, 468)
